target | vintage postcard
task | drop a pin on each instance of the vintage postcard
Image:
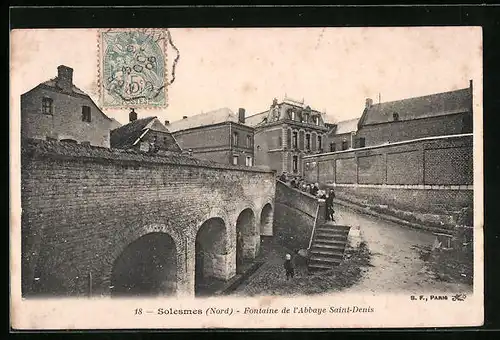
(246, 178)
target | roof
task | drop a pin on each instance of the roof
(126, 135)
(433, 105)
(256, 119)
(346, 126)
(203, 119)
(52, 83)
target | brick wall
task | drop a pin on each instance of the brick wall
(433, 175)
(214, 142)
(66, 120)
(82, 206)
(414, 129)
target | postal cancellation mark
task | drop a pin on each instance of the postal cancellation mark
(132, 68)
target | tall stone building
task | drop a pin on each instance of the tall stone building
(58, 110)
(217, 135)
(286, 132)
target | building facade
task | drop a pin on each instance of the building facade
(342, 136)
(218, 135)
(58, 110)
(285, 133)
(446, 113)
(146, 134)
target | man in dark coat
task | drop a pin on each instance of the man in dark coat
(329, 205)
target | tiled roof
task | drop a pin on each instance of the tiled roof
(35, 148)
(125, 136)
(438, 104)
(346, 126)
(52, 83)
(203, 119)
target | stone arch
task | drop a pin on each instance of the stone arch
(177, 245)
(247, 237)
(266, 219)
(147, 266)
(212, 259)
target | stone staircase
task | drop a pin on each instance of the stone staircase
(328, 246)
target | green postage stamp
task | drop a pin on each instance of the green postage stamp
(132, 68)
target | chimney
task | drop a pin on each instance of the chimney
(184, 117)
(369, 103)
(167, 122)
(65, 78)
(241, 115)
(132, 115)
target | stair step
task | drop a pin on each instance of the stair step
(327, 240)
(331, 236)
(323, 259)
(336, 226)
(320, 245)
(332, 231)
(328, 253)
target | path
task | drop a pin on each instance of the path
(397, 267)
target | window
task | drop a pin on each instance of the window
(249, 161)
(235, 138)
(308, 141)
(333, 147)
(294, 140)
(316, 120)
(362, 142)
(293, 115)
(86, 117)
(395, 116)
(295, 163)
(249, 141)
(344, 145)
(280, 142)
(320, 142)
(47, 106)
(235, 160)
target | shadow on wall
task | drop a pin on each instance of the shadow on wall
(294, 216)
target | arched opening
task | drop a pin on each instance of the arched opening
(211, 257)
(247, 239)
(147, 266)
(266, 220)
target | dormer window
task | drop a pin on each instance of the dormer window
(47, 106)
(395, 116)
(293, 115)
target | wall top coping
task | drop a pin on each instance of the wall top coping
(37, 148)
(429, 139)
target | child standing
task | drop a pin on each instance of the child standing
(289, 267)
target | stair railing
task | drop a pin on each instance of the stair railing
(314, 227)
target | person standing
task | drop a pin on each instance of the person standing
(289, 267)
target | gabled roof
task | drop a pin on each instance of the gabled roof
(433, 105)
(346, 126)
(53, 82)
(125, 136)
(203, 119)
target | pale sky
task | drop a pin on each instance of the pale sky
(333, 69)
